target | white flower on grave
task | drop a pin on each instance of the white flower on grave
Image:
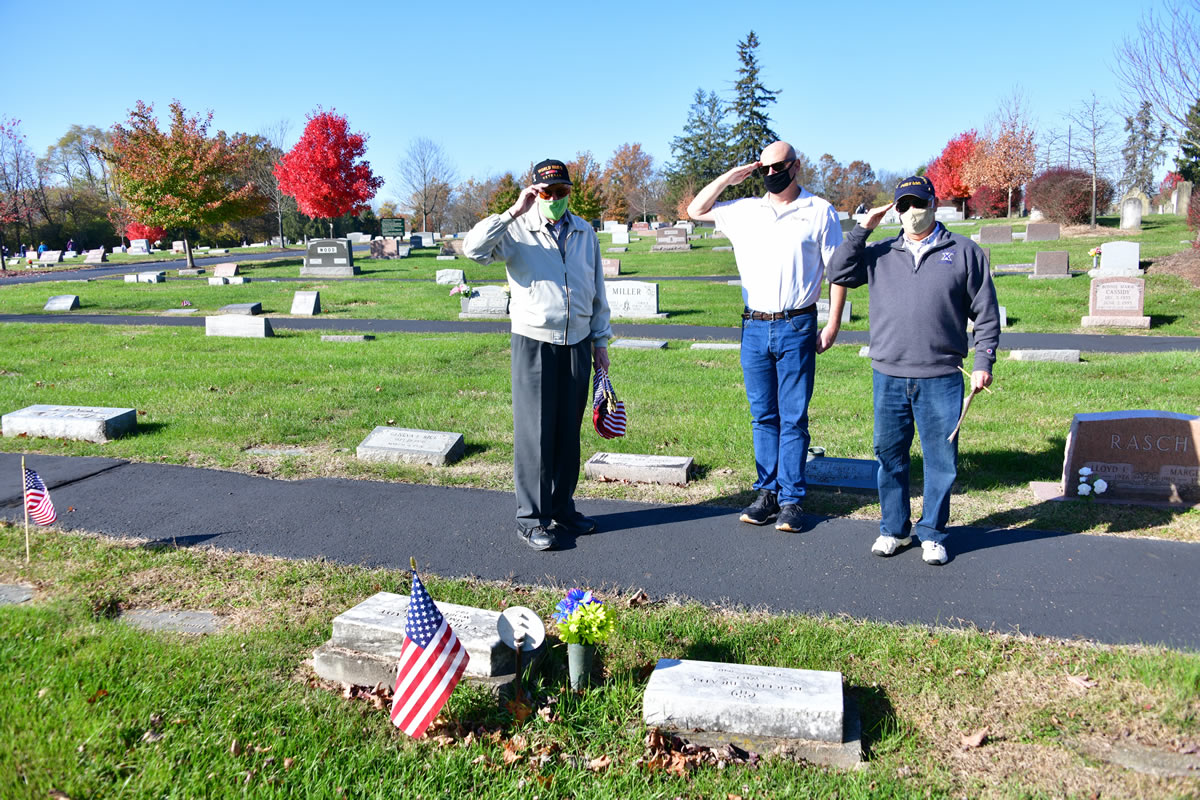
(1085, 470)
(1101, 486)
(1084, 489)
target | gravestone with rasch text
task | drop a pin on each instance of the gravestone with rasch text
(1117, 302)
(633, 299)
(412, 446)
(328, 258)
(1142, 455)
(670, 240)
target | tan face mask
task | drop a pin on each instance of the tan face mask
(917, 220)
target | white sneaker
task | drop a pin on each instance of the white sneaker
(933, 553)
(888, 545)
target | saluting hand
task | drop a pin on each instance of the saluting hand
(875, 216)
(526, 199)
(739, 174)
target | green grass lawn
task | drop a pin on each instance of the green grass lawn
(92, 708)
(206, 400)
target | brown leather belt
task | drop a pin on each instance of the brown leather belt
(774, 315)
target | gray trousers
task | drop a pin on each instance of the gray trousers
(550, 389)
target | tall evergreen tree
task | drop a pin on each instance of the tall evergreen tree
(1187, 163)
(1143, 150)
(702, 153)
(752, 130)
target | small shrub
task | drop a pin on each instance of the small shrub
(1065, 195)
(989, 202)
(1194, 221)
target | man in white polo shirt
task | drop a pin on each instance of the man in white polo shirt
(782, 243)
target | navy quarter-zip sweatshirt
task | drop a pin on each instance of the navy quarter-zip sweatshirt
(919, 311)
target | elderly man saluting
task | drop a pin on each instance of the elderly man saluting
(924, 286)
(782, 243)
(560, 323)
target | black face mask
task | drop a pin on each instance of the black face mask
(778, 182)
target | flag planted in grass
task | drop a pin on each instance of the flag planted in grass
(432, 662)
(37, 500)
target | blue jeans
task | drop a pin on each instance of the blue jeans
(933, 404)
(778, 366)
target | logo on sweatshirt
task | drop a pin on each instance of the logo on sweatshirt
(948, 257)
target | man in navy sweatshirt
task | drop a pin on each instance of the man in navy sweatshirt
(924, 285)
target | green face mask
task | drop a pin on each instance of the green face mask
(553, 209)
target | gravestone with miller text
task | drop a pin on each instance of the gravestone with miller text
(1140, 454)
(412, 446)
(671, 240)
(83, 423)
(328, 258)
(1117, 302)
(633, 299)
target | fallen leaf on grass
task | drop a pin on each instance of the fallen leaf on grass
(55, 794)
(638, 599)
(151, 736)
(42, 692)
(547, 714)
(976, 739)
(519, 710)
(288, 762)
(99, 693)
(235, 748)
(599, 764)
(1082, 681)
(444, 741)
(511, 756)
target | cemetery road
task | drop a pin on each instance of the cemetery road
(1104, 588)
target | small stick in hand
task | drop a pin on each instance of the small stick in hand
(964, 372)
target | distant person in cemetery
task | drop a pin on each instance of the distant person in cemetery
(925, 284)
(70, 244)
(560, 325)
(41, 249)
(782, 243)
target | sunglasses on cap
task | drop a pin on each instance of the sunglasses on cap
(907, 202)
(555, 191)
(778, 166)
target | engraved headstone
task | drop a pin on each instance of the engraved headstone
(1051, 264)
(151, 277)
(412, 446)
(12, 594)
(716, 346)
(348, 337)
(616, 249)
(684, 695)
(842, 473)
(62, 302)
(69, 254)
(389, 248)
(671, 239)
(50, 257)
(306, 304)
(620, 234)
(1181, 198)
(191, 273)
(943, 214)
(449, 277)
(823, 311)
(247, 309)
(1140, 454)
(1142, 198)
(328, 258)
(139, 247)
(1042, 232)
(238, 325)
(1058, 356)
(673, 470)
(82, 423)
(1131, 214)
(633, 299)
(226, 270)
(238, 280)
(177, 247)
(487, 302)
(218, 281)
(1117, 302)
(1119, 259)
(639, 344)
(611, 266)
(995, 234)
(194, 622)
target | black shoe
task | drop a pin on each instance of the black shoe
(578, 525)
(791, 518)
(762, 510)
(538, 537)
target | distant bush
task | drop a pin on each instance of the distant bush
(1065, 195)
(1194, 220)
(989, 202)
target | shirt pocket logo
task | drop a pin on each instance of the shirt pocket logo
(948, 257)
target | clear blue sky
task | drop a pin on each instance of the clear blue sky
(500, 85)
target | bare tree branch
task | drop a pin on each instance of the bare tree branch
(1161, 63)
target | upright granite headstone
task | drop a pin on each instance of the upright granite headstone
(1181, 198)
(389, 248)
(1144, 455)
(62, 302)
(97, 256)
(306, 304)
(412, 446)
(50, 257)
(620, 234)
(1042, 232)
(633, 299)
(238, 325)
(449, 277)
(177, 247)
(995, 234)
(1142, 198)
(139, 247)
(1117, 302)
(1119, 259)
(1131, 215)
(1051, 264)
(328, 258)
(670, 240)
(83, 423)
(611, 266)
(226, 270)
(823, 311)
(486, 302)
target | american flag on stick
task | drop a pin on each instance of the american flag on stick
(432, 662)
(37, 500)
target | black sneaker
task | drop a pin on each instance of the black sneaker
(791, 518)
(538, 537)
(762, 510)
(578, 525)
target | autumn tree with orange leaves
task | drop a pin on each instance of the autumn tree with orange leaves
(183, 178)
(1006, 156)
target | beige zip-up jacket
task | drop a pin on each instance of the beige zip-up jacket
(554, 299)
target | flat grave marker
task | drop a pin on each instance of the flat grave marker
(716, 346)
(1060, 356)
(673, 470)
(306, 304)
(842, 473)
(12, 594)
(62, 302)
(486, 302)
(237, 325)
(639, 344)
(248, 309)
(412, 446)
(193, 622)
(81, 423)
(347, 337)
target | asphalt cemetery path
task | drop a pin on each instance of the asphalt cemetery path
(1109, 589)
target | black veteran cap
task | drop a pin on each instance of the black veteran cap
(917, 186)
(551, 171)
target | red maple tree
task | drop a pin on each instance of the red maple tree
(138, 230)
(320, 171)
(946, 171)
